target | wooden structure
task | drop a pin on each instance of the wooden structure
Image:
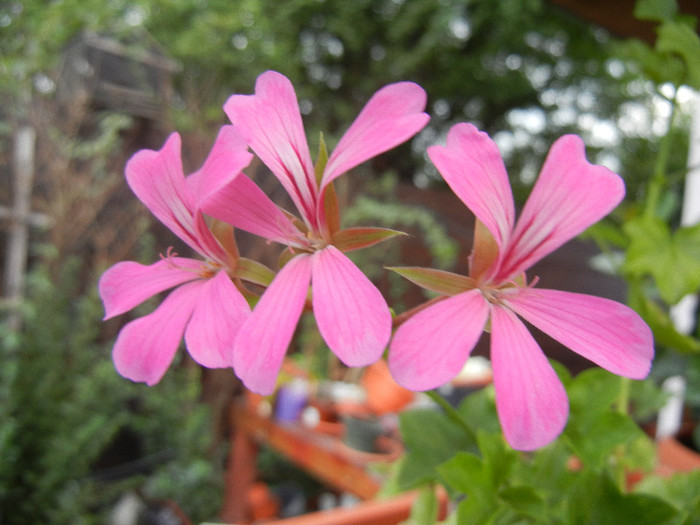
(102, 72)
(324, 456)
(618, 16)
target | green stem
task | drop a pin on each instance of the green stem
(622, 405)
(623, 397)
(451, 413)
(658, 180)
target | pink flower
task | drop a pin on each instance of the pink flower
(432, 346)
(205, 306)
(351, 314)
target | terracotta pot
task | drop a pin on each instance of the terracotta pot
(384, 395)
(262, 503)
(673, 456)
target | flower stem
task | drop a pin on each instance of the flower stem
(451, 413)
(658, 179)
(623, 397)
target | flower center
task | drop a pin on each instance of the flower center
(497, 293)
(205, 270)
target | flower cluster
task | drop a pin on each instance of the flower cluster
(210, 305)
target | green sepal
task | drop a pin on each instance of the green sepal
(285, 257)
(300, 225)
(322, 159)
(355, 238)
(331, 209)
(485, 251)
(440, 281)
(223, 233)
(253, 272)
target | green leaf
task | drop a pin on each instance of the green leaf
(680, 39)
(356, 238)
(659, 67)
(594, 444)
(430, 438)
(498, 458)
(612, 507)
(440, 281)
(254, 272)
(681, 489)
(592, 393)
(526, 501)
(655, 10)
(480, 407)
(673, 260)
(469, 474)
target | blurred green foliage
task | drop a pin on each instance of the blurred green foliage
(64, 413)
(526, 71)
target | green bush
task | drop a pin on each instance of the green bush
(64, 410)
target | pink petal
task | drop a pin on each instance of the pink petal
(227, 158)
(244, 205)
(570, 195)
(350, 312)
(432, 347)
(127, 284)
(472, 166)
(531, 401)
(157, 179)
(392, 116)
(608, 333)
(271, 122)
(264, 337)
(216, 319)
(146, 346)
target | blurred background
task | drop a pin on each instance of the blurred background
(86, 83)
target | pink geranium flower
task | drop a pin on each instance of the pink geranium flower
(206, 306)
(431, 347)
(351, 314)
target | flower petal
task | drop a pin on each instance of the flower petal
(146, 346)
(569, 195)
(226, 160)
(531, 401)
(157, 179)
(127, 284)
(244, 205)
(606, 332)
(473, 167)
(263, 339)
(431, 347)
(392, 116)
(271, 122)
(350, 312)
(216, 319)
